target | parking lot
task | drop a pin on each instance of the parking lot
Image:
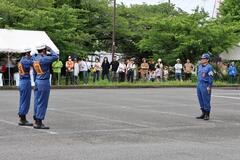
(124, 124)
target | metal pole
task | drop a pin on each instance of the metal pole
(114, 29)
(214, 8)
(9, 71)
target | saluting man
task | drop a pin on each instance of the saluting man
(204, 86)
(41, 65)
(25, 87)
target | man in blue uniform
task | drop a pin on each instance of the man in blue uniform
(42, 63)
(232, 73)
(204, 86)
(25, 87)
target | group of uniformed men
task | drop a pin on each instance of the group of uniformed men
(41, 63)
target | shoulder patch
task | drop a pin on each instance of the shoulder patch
(210, 73)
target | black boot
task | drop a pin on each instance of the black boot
(39, 125)
(202, 116)
(207, 116)
(23, 121)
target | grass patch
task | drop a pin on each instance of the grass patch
(172, 83)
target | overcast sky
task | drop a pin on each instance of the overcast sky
(186, 5)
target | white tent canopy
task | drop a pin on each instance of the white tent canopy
(232, 54)
(15, 41)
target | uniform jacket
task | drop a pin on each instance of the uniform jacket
(232, 71)
(56, 66)
(45, 62)
(205, 75)
(24, 67)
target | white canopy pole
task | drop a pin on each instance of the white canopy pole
(9, 71)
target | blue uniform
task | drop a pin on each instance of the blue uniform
(232, 71)
(232, 74)
(42, 65)
(25, 87)
(205, 80)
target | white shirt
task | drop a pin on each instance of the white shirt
(131, 66)
(158, 72)
(178, 68)
(76, 69)
(83, 66)
(122, 67)
(88, 64)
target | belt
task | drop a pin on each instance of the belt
(203, 82)
(25, 78)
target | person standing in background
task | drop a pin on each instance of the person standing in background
(144, 69)
(122, 71)
(188, 68)
(130, 70)
(69, 71)
(178, 70)
(105, 68)
(57, 66)
(114, 65)
(160, 70)
(152, 65)
(84, 71)
(88, 68)
(96, 70)
(232, 73)
(165, 73)
(76, 71)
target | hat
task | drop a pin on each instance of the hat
(26, 50)
(178, 59)
(69, 57)
(40, 47)
(205, 56)
(159, 60)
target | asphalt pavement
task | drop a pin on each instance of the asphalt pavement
(124, 124)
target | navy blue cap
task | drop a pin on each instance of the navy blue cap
(205, 56)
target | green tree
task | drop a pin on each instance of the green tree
(230, 8)
(186, 36)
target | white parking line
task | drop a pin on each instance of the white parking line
(167, 129)
(226, 97)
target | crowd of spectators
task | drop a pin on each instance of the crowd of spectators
(127, 70)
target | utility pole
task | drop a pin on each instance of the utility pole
(114, 29)
(169, 1)
(217, 4)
